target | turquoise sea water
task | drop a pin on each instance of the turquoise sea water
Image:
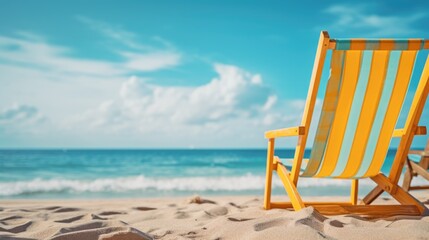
(148, 173)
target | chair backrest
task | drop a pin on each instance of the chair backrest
(365, 92)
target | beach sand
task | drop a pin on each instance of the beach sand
(238, 217)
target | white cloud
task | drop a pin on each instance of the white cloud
(116, 33)
(159, 54)
(42, 56)
(32, 54)
(234, 93)
(232, 106)
(126, 38)
(232, 109)
(360, 17)
(151, 61)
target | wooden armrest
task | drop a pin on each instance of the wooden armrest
(285, 132)
(420, 130)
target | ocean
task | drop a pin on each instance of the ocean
(54, 174)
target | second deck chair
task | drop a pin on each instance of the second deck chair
(417, 164)
(364, 95)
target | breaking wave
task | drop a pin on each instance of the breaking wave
(142, 183)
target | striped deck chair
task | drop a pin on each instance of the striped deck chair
(417, 164)
(364, 95)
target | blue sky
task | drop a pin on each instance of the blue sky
(171, 74)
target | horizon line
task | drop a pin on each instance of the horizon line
(127, 149)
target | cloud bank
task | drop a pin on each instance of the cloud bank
(62, 100)
(234, 104)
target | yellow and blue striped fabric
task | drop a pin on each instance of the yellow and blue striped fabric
(364, 95)
(384, 44)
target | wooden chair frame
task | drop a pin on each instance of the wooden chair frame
(413, 169)
(408, 204)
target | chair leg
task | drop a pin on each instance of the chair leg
(290, 187)
(398, 193)
(419, 170)
(354, 191)
(377, 191)
(269, 174)
(371, 196)
(408, 177)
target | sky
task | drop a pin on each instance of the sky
(173, 74)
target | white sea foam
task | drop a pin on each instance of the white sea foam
(141, 183)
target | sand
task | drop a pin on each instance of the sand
(193, 218)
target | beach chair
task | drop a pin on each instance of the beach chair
(363, 98)
(417, 164)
